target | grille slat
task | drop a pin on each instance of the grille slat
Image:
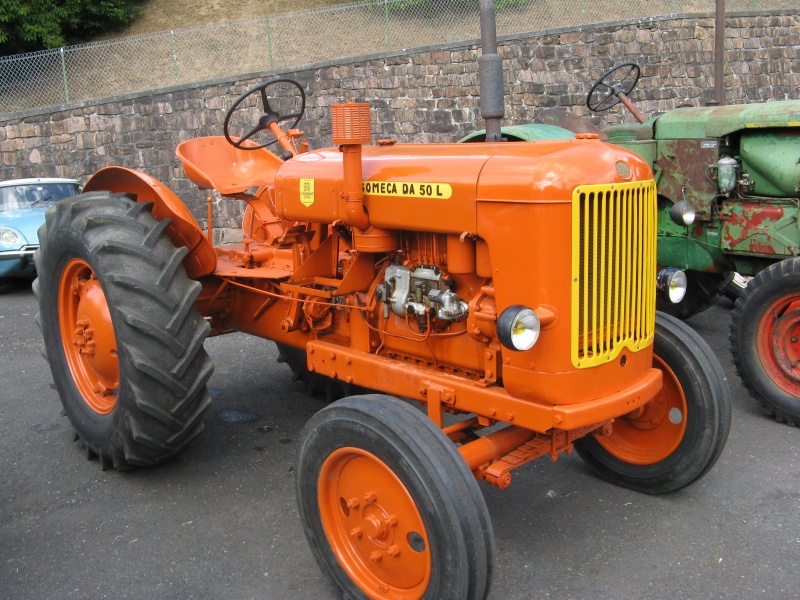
(613, 270)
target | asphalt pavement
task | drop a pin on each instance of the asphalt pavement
(220, 521)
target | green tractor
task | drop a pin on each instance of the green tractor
(728, 182)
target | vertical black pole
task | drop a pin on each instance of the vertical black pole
(490, 74)
(719, 54)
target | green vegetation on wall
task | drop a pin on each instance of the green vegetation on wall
(31, 25)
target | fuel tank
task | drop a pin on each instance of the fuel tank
(436, 187)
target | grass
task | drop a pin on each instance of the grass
(164, 15)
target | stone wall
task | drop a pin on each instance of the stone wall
(430, 95)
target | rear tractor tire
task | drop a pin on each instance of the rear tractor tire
(121, 332)
(765, 339)
(332, 389)
(677, 437)
(389, 507)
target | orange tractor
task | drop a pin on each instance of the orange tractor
(505, 291)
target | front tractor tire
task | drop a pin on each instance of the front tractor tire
(765, 339)
(677, 437)
(389, 507)
(121, 332)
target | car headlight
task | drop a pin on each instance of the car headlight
(9, 237)
(671, 284)
(518, 327)
(682, 213)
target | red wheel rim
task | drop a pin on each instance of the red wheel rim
(778, 343)
(373, 526)
(87, 335)
(653, 432)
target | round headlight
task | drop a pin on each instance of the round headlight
(518, 327)
(9, 237)
(672, 284)
(682, 213)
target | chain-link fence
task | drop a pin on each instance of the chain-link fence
(133, 64)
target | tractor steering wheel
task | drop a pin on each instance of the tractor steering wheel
(606, 91)
(268, 117)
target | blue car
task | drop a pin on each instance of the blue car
(23, 203)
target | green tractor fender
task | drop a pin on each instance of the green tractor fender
(532, 132)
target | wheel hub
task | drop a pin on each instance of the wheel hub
(88, 336)
(778, 343)
(786, 343)
(373, 525)
(651, 433)
(377, 528)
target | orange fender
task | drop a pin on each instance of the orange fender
(183, 230)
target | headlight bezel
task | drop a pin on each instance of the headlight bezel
(518, 328)
(672, 284)
(683, 213)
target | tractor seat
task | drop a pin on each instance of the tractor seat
(212, 163)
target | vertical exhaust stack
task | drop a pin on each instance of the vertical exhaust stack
(490, 74)
(351, 128)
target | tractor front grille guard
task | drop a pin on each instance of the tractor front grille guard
(613, 270)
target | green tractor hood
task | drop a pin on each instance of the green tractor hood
(719, 121)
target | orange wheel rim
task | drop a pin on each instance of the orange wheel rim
(373, 526)
(653, 432)
(87, 335)
(778, 343)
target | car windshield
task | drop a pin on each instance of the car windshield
(26, 195)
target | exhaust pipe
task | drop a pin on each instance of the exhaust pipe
(351, 128)
(490, 74)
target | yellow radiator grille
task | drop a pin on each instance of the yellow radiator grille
(613, 270)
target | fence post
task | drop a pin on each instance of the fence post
(174, 57)
(269, 46)
(64, 73)
(388, 27)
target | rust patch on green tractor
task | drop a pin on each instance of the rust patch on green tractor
(759, 229)
(682, 173)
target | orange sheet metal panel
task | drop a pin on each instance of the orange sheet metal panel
(434, 187)
(530, 244)
(408, 187)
